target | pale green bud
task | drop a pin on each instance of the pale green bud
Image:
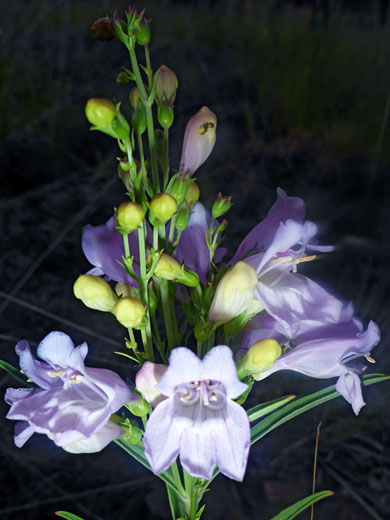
(95, 293)
(261, 356)
(100, 112)
(169, 269)
(193, 194)
(162, 207)
(130, 312)
(221, 206)
(129, 216)
(234, 294)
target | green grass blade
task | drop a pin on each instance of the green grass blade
(262, 409)
(68, 516)
(302, 405)
(297, 508)
(17, 374)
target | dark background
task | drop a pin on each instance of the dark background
(301, 92)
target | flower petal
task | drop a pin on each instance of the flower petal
(56, 349)
(349, 386)
(162, 436)
(96, 442)
(218, 365)
(34, 369)
(184, 367)
(232, 439)
(23, 431)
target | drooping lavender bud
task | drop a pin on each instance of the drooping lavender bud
(166, 86)
(199, 140)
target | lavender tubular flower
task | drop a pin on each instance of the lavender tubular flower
(74, 403)
(199, 421)
(103, 247)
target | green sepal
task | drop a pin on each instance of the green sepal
(68, 516)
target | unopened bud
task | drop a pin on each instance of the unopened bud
(179, 189)
(182, 220)
(123, 78)
(234, 293)
(100, 112)
(221, 206)
(134, 97)
(261, 356)
(139, 407)
(129, 216)
(146, 380)
(95, 293)
(166, 86)
(203, 330)
(102, 29)
(199, 140)
(165, 115)
(162, 207)
(143, 34)
(193, 194)
(124, 289)
(169, 269)
(130, 312)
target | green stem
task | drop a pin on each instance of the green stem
(166, 162)
(171, 229)
(192, 505)
(132, 337)
(126, 245)
(142, 157)
(155, 238)
(149, 71)
(149, 116)
(168, 318)
(146, 333)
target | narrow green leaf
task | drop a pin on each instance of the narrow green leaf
(68, 516)
(302, 405)
(297, 508)
(17, 374)
(262, 409)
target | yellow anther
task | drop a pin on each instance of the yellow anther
(295, 261)
(56, 373)
(369, 358)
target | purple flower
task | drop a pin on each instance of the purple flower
(199, 420)
(103, 247)
(74, 403)
(327, 352)
(192, 248)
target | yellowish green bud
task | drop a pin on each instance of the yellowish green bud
(193, 194)
(165, 115)
(182, 220)
(142, 34)
(129, 216)
(234, 294)
(134, 97)
(203, 329)
(179, 189)
(162, 207)
(124, 289)
(166, 86)
(100, 112)
(130, 312)
(221, 206)
(169, 269)
(139, 408)
(261, 356)
(95, 293)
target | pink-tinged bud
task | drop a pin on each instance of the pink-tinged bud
(102, 30)
(146, 380)
(166, 86)
(199, 140)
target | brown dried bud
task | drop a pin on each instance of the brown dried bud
(102, 30)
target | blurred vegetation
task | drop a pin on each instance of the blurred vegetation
(278, 70)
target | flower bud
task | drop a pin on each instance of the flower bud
(102, 30)
(162, 207)
(221, 206)
(138, 119)
(129, 216)
(199, 140)
(142, 34)
(123, 78)
(134, 97)
(95, 293)
(124, 289)
(100, 112)
(261, 356)
(192, 195)
(182, 220)
(165, 115)
(234, 294)
(146, 380)
(179, 189)
(203, 330)
(129, 311)
(166, 86)
(169, 269)
(139, 407)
